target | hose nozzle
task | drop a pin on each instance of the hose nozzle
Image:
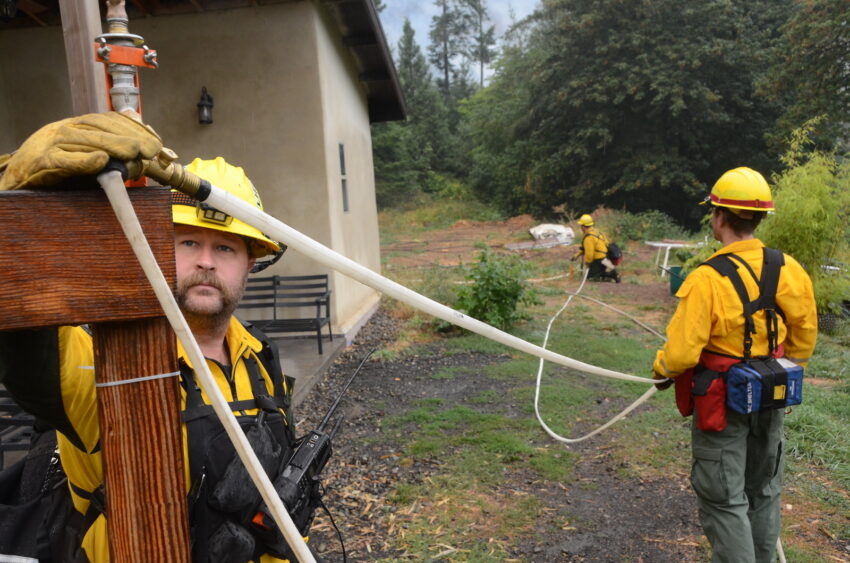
(165, 169)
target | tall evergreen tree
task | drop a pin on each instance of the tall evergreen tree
(428, 115)
(449, 34)
(406, 154)
(483, 37)
(500, 157)
(811, 74)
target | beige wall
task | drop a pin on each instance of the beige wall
(33, 82)
(354, 233)
(285, 94)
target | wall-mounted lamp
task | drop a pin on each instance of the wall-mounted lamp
(205, 106)
(8, 9)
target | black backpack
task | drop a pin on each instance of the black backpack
(614, 254)
(36, 510)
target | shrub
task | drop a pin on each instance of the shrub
(497, 289)
(811, 220)
(647, 225)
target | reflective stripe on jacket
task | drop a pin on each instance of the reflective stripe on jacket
(710, 314)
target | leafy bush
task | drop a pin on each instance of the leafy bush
(648, 225)
(497, 290)
(811, 220)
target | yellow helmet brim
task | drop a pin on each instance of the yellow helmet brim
(198, 215)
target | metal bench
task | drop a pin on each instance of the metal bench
(289, 292)
(16, 427)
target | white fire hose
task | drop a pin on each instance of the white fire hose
(642, 399)
(113, 185)
(279, 231)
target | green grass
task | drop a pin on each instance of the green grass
(817, 430)
(476, 449)
(832, 356)
(427, 213)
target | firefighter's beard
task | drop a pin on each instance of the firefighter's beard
(208, 308)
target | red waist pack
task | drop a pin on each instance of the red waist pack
(684, 397)
(709, 396)
(703, 389)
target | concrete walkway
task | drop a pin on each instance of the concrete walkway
(301, 359)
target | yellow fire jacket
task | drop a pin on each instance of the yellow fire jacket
(84, 467)
(710, 314)
(594, 246)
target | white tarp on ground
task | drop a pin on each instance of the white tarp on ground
(547, 231)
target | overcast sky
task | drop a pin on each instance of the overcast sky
(420, 12)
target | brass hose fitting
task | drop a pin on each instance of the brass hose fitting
(165, 169)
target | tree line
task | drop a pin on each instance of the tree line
(630, 104)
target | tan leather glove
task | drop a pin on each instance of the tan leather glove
(77, 146)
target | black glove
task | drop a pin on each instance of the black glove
(664, 383)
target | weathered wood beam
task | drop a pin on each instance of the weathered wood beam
(80, 25)
(141, 440)
(66, 261)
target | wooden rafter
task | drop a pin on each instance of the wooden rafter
(33, 17)
(141, 7)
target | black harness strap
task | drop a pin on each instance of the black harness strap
(766, 300)
(282, 385)
(97, 506)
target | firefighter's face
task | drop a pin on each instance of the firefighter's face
(212, 267)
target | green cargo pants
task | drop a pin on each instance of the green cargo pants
(737, 476)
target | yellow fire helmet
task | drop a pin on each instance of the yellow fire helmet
(741, 189)
(585, 220)
(188, 211)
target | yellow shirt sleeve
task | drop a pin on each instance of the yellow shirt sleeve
(796, 299)
(688, 332)
(710, 316)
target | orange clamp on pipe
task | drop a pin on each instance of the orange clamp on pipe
(125, 55)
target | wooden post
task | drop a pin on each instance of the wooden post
(142, 442)
(65, 262)
(80, 25)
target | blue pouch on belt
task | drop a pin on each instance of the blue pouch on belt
(764, 383)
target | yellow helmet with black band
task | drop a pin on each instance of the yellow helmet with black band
(189, 211)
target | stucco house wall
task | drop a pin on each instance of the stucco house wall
(33, 82)
(286, 95)
(354, 233)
